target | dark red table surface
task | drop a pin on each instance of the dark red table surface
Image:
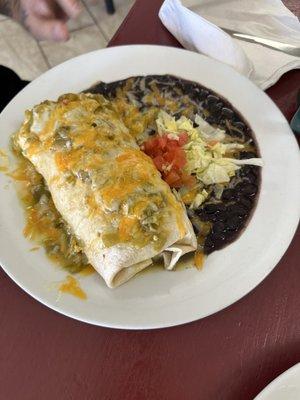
(231, 355)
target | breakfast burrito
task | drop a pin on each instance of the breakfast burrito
(108, 191)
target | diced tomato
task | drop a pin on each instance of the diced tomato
(184, 180)
(169, 156)
(183, 138)
(169, 153)
(159, 162)
(177, 185)
(157, 152)
(172, 144)
(171, 178)
(188, 180)
(176, 157)
(179, 160)
(148, 146)
(162, 141)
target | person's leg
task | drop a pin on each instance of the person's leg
(12, 84)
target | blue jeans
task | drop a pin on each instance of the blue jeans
(10, 85)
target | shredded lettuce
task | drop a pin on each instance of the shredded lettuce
(206, 151)
(199, 199)
(208, 131)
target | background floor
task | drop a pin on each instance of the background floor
(92, 30)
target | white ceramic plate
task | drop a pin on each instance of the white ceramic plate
(285, 387)
(161, 298)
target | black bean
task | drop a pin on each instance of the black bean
(204, 217)
(229, 194)
(214, 208)
(233, 222)
(240, 186)
(249, 189)
(188, 88)
(203, 94)
(222, 216)
(210, 208)
(237, 209)
(217, 106)
(222, 123)
(164, 79)
(211, 99)
(215, 109)
(236, 134)
(246, 202)
(231, 235)
(219, 227)
(247, 154)
(209, 246)
(109, 89)
(211, 120)
(245, 170)
(213, 217)
(251, 177)
(218, 239)
(212, 212)
(240, 125)
(248, 169)
(139, 95)
(255, 170)
(227, 113)
(148, 80)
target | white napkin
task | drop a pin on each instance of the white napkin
(268, 19)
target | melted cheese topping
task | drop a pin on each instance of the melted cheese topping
(199, 259)
(91, 147)
(71, 286)
(43, 222)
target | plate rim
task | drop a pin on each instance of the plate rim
(282, 377)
